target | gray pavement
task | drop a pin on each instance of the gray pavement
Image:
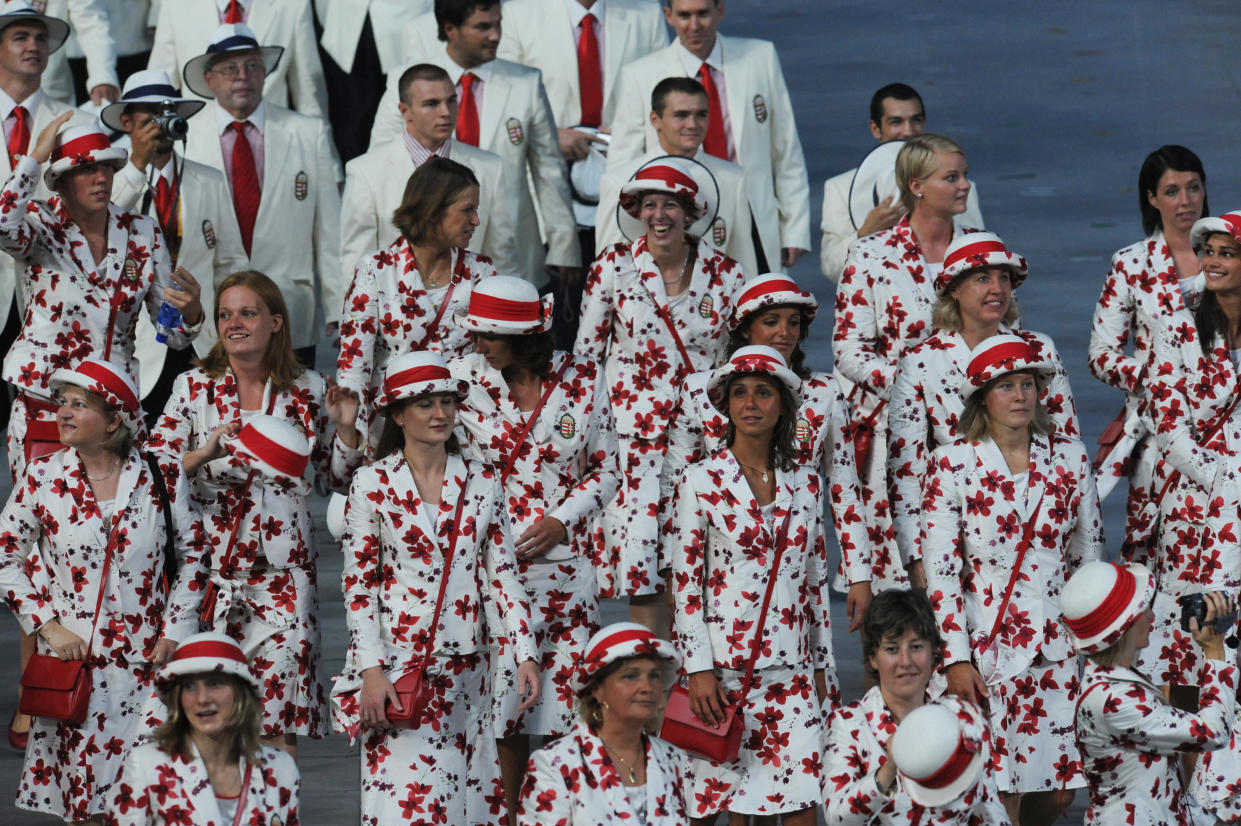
(1056, 104)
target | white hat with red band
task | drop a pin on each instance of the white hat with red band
(79, 146)
(112, 383)
(273, 447)
(1229, 223)
(1102, 600)
(938, 750)
(753, 358)
(770, 290)
(417, 374)
(508, 306)
(618, 641)
(676, 176)
(1000, 354)
(975, 250)
(19, 11)
(207, 653)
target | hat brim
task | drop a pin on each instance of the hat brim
(874, 181)
(237, 450)
(719, 380)
(1143, 592)
(1042, 371)
(134, 420)
(203, 665)
(196, 67)
(111, 114)
(1015, 263)
(473, 324)
(458, 388)
(1205, 227)
(806, 301)
(114, 157)
(662, 650)
(708, 193)
(944, 795)
(57, 29)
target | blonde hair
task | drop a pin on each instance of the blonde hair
(917, 160)
(947, 312)
(974, 424)
(246, 723)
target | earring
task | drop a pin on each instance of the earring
(919, 196)
(605, 705)
(596, 716)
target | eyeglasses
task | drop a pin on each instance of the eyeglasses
(231, 70)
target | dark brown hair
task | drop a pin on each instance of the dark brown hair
(430, 191)
(739, 338)
(283, 368)
(419, 71)
(392, 438)
(783, 447)
(532, 352)
(890, 615)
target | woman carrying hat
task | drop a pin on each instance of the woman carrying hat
(403, 298)
(1195, 513)
(98, 515)
(975, 302)
(608, 770)
(883, 307)
(653, 312)
(747, 535)
(1147, 282)
(207, 763)
(540, 417)
(1009, 513)
(254, 430)
(429, 577)
(1131, 737)
(85, 268)
(864, 785)
(773, 311)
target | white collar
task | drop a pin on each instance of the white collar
(7, 104)
(455, 71)
(577, 11)
(222, 5)
(257, 119)
(693, 63)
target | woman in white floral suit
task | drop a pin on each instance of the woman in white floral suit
(426, 544)
(1010, 512)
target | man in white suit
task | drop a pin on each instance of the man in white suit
(503, 109)
(679, 112)
(190, 201)
(184, 30)
(90, 27)
(375, 182)
(282, 177)
(896, 113)
(753, 125)
(130, 29)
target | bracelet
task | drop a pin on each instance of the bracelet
(888, 790)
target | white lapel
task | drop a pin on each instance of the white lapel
(617, 29)
(203, 143)
(260, 17)
(1040, 469)
(737, 90)
(125, 489)
(746, 506)
(274, 205)
(196, 788)
(399, 166)
(495, 104)
(559, 20)
(96, 528)
(407, 499)
(118, 240)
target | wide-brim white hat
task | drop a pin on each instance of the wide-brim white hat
(81, 145)
(273, 447)
(771, 290)
(1000, 354)
(506, 305)
(18, 11)
(418, 374)
(112, 383)
(209, 652)
(974, 250)
(1229, 223)
(585, 176)
(229, 38)
(1102, 600)
(150, 86)
(874, 181)
(676, 176)
(753, 358)
(939, 749)
(618, 641)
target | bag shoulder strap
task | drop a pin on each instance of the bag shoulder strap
(161, 488)
(457, 274)
(1027, 539)
(448, 557)
(114, 538)
(531, 419)
(243, 507)
(1208, 433)
(240, 811)
(781, 539)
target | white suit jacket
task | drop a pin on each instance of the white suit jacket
(342, 26)
(155, 788)
(296, 234)
(515, 123)
(764, 132)
(375, 186)
(185, 28)
(127, 23)
(729, 233)
(839, 234)
(47, 111)
(540, 34)
(89, 22)
(207, 251)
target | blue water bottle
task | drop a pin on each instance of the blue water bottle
(167, 322)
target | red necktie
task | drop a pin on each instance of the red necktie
(246, 194)
(716, 143)
(19, 138)
(163, 206)
(234, 14)
(467, 111)
(589, 75)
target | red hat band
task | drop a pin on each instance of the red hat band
(1233, 220)
(600, 651)
(997, 356)
(1109, 610)
(668, 175)
(775, 285)
(110, 382)
(288, 462)
(978, 252)
(754, 361)
(415, 375)
(93, 142)
(951, 770)
(209, 648)
(494, 308)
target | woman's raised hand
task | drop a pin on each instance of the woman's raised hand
(46, 141)
(342, 408)
(185, 294)
(1211, 640)
(211, 449)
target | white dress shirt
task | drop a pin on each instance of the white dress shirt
(576, 13)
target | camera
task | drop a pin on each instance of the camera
(172, 126)
(1194, 606)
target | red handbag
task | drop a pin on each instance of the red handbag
(721, 744)
(1108, 439)
(42, 437)
(414, 687)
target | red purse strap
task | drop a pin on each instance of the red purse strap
(245, 795)
(458, 273)
(1208, 433)
(666, 316)
(534, 417)
(1027, 539)
(755, 647)
(114, 538)
(448, 556)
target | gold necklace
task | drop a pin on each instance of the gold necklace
(115, 464)
(633, 775)
(766, 478)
